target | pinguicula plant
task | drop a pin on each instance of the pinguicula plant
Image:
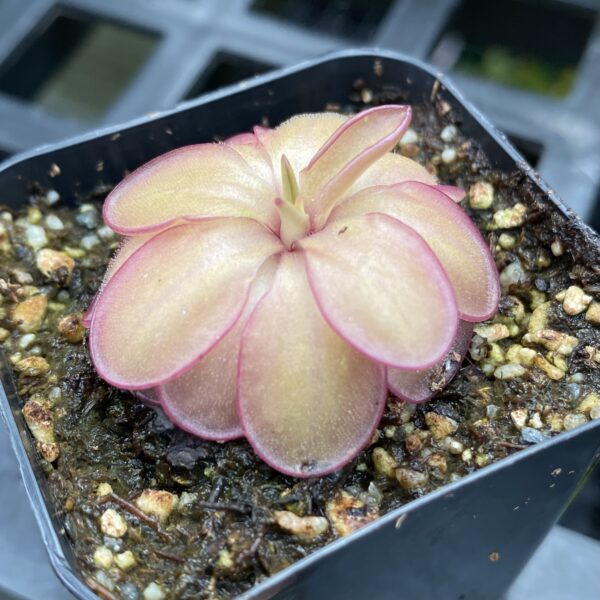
(276, 285)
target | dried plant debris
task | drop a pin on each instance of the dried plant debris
(152, 512)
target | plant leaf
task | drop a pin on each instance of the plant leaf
(175, 298)
(379, 285)
(450, 233)
(190, 183)
(254, 153)
(126, 249)
(203, 401)
(299, 138)
(347, 154)
(419, 386)
(308, 402)
(393, 168)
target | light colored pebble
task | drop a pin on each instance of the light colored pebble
(575, 300)
(592, 314)
(55, 265)
(4, 334)
(452, 445)
(509, 371)
(536, 298)
(543, 260)
(448, 155)
(439, 425)
(595, 413)
(482, 460)
(510, 217)
(71, 328)
(153, 591)
(492, 332)
(448, 133)
(104, 579)
(523, 356)
(557, 248)
(74, 252)
(31, 313)
(467, 455)
(410, 137)
(104, 489)
(125, 560)
(303, 527)
(103, 557)
(496, 354)
(35, 236)
(574, 420)
(106, 233)
(186, 499)
(539, 318)
(555, 341)
(532, 436)
(158, 503)
(437, 462)
(481, 197)
(26, 341)
(89, 241)
(507, 241)
(34, 215)
(225, 560)
(32, 366)
(39, 421)
(519, 417)
(347, 513)
(384, 462)
(574, 390)
(590, 401)
(512, 274)
(551, 371)
(22, 277)
(52, 197)
(50, 451)
(409, 479)
(555, 421)
(535, 421)
(558, 360)
(113, 524)
(54, 223)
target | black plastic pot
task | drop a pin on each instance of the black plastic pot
(467, 541)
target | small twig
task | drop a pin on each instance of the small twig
(242, 556)
(208, 505)
(99, 589)
(216, 491)
(136, 512)
(511, 445)
(169, 556)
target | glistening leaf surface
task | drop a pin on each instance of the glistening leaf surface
(175, 298)
(449, 232)
(308, 402)
(382, 289)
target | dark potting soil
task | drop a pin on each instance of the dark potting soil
(150, 509)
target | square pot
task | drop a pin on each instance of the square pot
(466, 541)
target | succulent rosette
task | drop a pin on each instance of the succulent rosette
(276, 285)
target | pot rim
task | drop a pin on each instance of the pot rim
(31, 475)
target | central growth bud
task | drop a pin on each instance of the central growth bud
(294, 220)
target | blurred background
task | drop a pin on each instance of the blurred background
(532, 66)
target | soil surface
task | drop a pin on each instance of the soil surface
(152, 512)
